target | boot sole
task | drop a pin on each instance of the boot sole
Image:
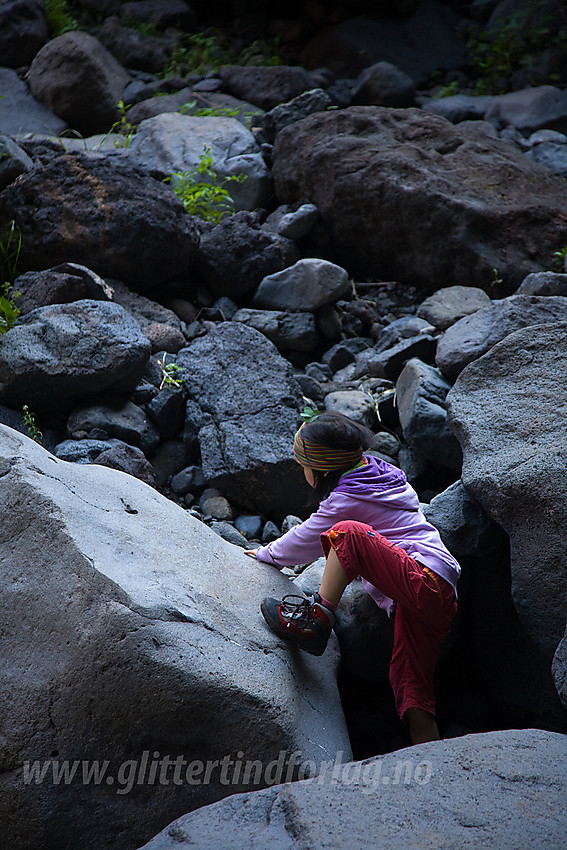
(276, 627)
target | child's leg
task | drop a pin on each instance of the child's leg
(426, 606)
(334, 579)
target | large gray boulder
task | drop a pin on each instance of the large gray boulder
(448, 305)
(249, 406)
(529, 110)
(544, 283)
(421, 391)
(23, 29)
(172, 142)
(507, 790)
(132, 637)
(266, 86)
(391, 183)
(75, 77)
(58, 354)
(559, 670)
(507, 410)
(119, 223)
(307, 285)
(471, 337)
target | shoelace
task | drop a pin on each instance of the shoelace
(300, 611)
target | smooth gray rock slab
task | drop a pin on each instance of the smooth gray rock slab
(471, 337)
(249, 406)
(507, 410)
(305, 286)
(530, 109)
(171, 143)
(448, 305)
(116, 635)
(421, 391)
(21, 113)
(507, 791)
(58, 354)
(543, 283)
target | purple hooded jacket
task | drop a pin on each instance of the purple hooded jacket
(377, 494)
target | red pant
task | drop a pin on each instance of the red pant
(425, 606)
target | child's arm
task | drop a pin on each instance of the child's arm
(302, 543)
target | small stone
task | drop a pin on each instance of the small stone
(270, 532)
(214, 503)
(305, 286)
(229, 532)
(190, 478)
(357, 405)
(249, 526)
(290, 522)
(448, 305)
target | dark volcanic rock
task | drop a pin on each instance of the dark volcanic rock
(249, 404)
(79, 80)
(406, 195)
(507, 410)
(59, 354)
(117, 222)
(267, 87)
(23, 29)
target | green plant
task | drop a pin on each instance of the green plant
(309, 413)
(520, 37)
(122, 127)
(29, 421)
(201, 191)
(207, 111)
(10, 249)
(172, 374)
(200, 52)
(8, 310)
(560, 257)
(448, 90)
(59, 17)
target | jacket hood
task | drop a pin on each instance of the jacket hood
(376, 476)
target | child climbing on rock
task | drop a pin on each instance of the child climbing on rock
(369, 525)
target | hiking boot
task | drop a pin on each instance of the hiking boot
(304, 622)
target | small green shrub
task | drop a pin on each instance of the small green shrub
(192, 109)
(8, 310)
(10, 248)
(29, 421)
(202, 191)
(448, 90)
(200, 52)
(59, 17)
(171, 373)
(559, 257)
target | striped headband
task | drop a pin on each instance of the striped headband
(323, 458)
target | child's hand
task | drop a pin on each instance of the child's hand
(250, 552)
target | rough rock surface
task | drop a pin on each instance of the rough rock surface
(23, 29)
(119, 223)
(420, 396)
(75, 77)
(288, 331)
(58, 354)
(559, 670)
(267, 87)
(171, 142)
(391, 183)
(507, 410)
(474, 335)
(13, 161)
(307, 285)
(235, 255)
(384, 84)
(59, 285)
(507, 789)
(530, 109)
(544, 283)
(156, 649)
(249, 404)
(293, 110)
